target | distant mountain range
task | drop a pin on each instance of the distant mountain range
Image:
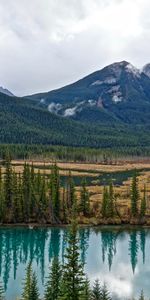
(109, 108)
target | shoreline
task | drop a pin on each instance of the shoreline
(41, 225)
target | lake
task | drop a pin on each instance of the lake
(120, 257)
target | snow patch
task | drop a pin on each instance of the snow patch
(109, 80)
(70, 111)
(146, 70)
(92, 102)
(97, 82)
(116, 98)
(131, 69)
(5, 91)
(54, 107)
(42, 101)
(114, 89)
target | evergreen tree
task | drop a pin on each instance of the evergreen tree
(64, 206)
(105, 293)
(26, 191)
(34, 294)
(26, 295)
(70, 191)
(143, 203)
(2, 296)
(96, 292)
(134, 196)
(55, 190)
(86, 293)
(142, 296)
(8, 182)
(84, 199)
(73, 275)
(104, 209)
(53, 284)
(110, 207)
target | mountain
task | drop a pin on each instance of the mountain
(109, 109)
(22, 122)
(146, 70)
(117, 93)
(5, 91)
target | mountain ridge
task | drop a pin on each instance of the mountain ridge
(103, 92)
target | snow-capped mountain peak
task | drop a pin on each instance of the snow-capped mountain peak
(146, 70)
(5, 91)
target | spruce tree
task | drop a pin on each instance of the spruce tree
(134, 196)
(104, 209)
(2, 294)
(142, 296)
(105, 293)
(73, 279)
(26, 295)
(86, 293)
(26, 187)
(70, 191)
(34, 294)
(55, 190)
(96, 291)
(30, 289)
(53, 284)
(110, 207)
(84, 199)
(143, 203)
(8, 182)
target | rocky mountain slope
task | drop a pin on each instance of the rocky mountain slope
(118, 92)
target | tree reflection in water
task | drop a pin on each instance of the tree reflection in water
(18, 246)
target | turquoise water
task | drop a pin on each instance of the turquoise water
(121, 258)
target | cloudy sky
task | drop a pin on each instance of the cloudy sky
(45, 44)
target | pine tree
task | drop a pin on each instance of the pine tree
(134, 196)
(55, 190)
(143, 203)
(30, 289)
(96, 292)
(110, 208)
(26, 191)
(2, 296)
(105, 293)
(70, 191)
(34, 294)
(142, 296)
(8, 182)
(73, 275)
(26, 295)
(104, 209)
(86, 293)
(64, 206)
(84, 199)
(53, 284)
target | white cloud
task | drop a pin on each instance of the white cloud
(49, 43)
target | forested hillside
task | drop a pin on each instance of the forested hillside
(22, 122)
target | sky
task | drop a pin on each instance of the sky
(46, 44)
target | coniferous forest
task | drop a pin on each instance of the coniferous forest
(34, 197)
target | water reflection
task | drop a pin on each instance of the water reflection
(117, 256)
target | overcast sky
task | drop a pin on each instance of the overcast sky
(45, 44)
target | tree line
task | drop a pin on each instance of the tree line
(77, 154)
(34, 197)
